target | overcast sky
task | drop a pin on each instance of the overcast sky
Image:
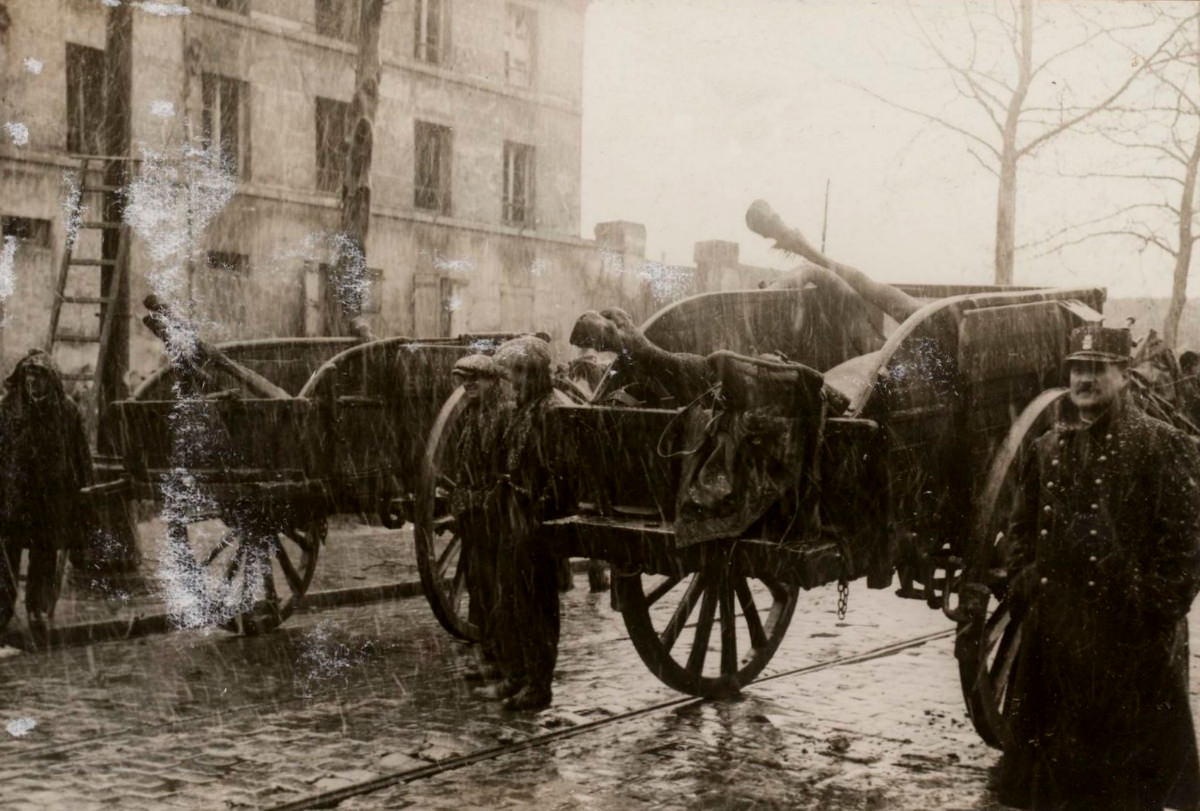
(694, 108)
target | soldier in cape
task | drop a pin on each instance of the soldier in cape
(1106, 562)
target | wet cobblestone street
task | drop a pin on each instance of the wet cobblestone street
(208, 720)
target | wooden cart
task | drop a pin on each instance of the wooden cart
(245, 482)
(912, 478)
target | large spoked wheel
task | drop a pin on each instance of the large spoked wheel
(989, 636)
(245, 575)
(706, 633)
(439, 543)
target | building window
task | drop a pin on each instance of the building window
(220, 287)
(372, 303)
(518, 183)
(520, 44)
(26, 230)
(449, 303)
(85, 100)
(372, 292)
(432, 171)
(431, 31)
(238, 6)
(333, 125)
(338, 19)
(226, 122)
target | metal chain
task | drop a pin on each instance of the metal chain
(843, 598)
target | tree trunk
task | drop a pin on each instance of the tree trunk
(1006, 198)
(1183, 255)
(1006, 217)
(348, 280)
(113, 359)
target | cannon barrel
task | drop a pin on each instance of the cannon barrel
(762, 220)
(157, 321)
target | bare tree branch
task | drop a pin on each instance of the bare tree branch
(1055, 235)
(1116, 94)
(1119, 176)
(927, 116)
(983, 97)
(1100, 32)
(990, 169)
(1145, 239)
(1178, 158)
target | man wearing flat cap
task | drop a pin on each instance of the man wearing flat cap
(534, 487)
(1105, 554)
(473, 501)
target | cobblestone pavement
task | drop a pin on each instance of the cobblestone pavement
(207, 720)
(354, 555)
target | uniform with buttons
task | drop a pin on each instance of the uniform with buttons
(1106, 549)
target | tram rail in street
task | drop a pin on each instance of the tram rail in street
(331, 798)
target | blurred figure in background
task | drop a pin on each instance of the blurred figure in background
(1189, 385)
(44, 461)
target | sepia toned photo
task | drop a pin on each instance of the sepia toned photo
(599, 404)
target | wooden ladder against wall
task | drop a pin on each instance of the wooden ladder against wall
(100, 296)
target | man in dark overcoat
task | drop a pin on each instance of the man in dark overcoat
(473, 501)
(44, 461)
(1106, 554)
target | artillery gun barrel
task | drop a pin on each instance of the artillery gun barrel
(762, 220)
(160, 317)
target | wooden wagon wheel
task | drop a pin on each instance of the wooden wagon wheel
(989, 637)
(439, 546)
(243, 574)
(749, 617)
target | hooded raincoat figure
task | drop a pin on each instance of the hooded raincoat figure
(533, 488)
(1107, 550)
(44, 461)
(474, 501)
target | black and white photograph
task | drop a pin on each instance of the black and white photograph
(599, 404)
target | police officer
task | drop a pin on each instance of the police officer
(1106, 547)
(473, 499)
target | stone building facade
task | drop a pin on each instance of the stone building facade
(238, 114)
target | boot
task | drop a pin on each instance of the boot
(597, 574)
(502, 689)
(486, 671)
(530, 698)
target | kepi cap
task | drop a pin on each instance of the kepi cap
(1094, 342)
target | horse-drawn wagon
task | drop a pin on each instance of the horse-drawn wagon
(823, 449)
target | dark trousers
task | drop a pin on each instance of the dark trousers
(39, 582)
(479, 530)
(527, 619)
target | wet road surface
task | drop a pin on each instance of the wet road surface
(206, 720)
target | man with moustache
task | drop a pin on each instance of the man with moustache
(1106, 550)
